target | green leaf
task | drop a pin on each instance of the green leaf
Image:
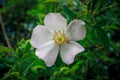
(27, 46)
(74, 68)
(15, 73)
(38, 64)
(68, 13)
(116, 46)
(26, 65)
(102, 37)
(36, 67)
(94, 34)
(5, 49)
(52, 1)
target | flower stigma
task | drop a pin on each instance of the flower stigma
(59, 37)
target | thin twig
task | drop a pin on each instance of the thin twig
(4, 32)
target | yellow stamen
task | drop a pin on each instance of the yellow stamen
(59, 37)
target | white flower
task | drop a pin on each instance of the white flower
(55, 36)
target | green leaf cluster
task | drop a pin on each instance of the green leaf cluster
(99, 61)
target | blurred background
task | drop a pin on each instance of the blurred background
(100, 60)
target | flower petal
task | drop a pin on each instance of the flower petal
(48, 53)
(54, 21)
(40, 36)
(69, 50)
(76, 30)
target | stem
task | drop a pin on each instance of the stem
(55, 9)
(8, 73)
(85, 74)
(4, 32)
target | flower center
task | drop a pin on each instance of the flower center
(59, 37)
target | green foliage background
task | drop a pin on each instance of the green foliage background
(100, 60)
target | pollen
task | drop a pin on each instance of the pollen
(59, 37)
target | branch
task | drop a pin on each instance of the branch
(4, 32)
